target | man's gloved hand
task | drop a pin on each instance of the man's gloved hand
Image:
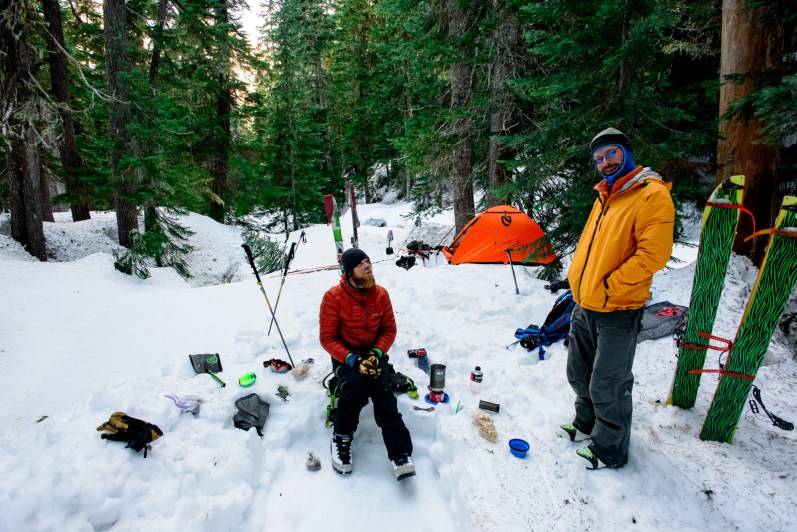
(367, 365)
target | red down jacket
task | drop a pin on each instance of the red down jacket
(356, 321)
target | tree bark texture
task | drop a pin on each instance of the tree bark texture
(150, 208)
(117, 59)
(219, 162)
(748, 46)
(502, 101)
(321, 98)
(44, 191)
(70, 156)
(157, 46)
(461, 96)
(18, 111)
(220, 159)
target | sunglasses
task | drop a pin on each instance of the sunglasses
(606, 156)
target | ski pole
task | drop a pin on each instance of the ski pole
(248, 251)
(288, 259)
(444, 237)
(509, 254)
(417, 224)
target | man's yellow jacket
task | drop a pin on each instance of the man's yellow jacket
(627, 239)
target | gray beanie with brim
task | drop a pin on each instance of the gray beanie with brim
(607, 137)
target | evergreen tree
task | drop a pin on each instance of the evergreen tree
(294, 161)
(595, 64)
(411, 96)
(19, 117)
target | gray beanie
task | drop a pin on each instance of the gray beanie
(350, 259)
(609, 136)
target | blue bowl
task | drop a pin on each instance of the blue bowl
(518, 447)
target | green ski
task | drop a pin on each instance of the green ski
(716, 240)
(775, 282)
(333, 217)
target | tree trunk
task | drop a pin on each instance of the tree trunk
(408, 97)
(117, 59)
(321, 98)
(70, 156)
(220, 159)
(157, 46)
(44, 192)
(150, 212)
(18, 130)
(749, 46)
(15, 159)
(461, 95)
(33, 195)
(503, 102)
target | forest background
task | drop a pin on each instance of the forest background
(158, 107)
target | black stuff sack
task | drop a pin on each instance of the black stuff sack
(137, 433)
(400, 383)
(406, 262)
(252, 412)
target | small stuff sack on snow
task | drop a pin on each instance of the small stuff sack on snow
(137, 433)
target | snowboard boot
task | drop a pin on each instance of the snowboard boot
(403, 467)
(573, 433)
(596, 462)
(340, 447)
(587, 454)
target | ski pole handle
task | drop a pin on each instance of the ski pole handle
(251, 261)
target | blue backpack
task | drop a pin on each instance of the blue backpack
(555, 328)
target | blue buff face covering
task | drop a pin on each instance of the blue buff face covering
(628, 165)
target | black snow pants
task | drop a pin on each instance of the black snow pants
(354, 392)
(599, 361)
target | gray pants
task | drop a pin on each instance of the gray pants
(599, 361)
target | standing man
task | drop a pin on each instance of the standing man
(627, 239)
(357, 329)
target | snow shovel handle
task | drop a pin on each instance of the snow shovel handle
(248, 251)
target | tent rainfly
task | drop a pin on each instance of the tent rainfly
(487, 238)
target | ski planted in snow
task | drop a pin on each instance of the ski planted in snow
(774, 284)
(355, 220)
(333, 218)
(714, 251)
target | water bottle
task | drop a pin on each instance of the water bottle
(476, 377)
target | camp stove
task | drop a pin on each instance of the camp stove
(437, 383)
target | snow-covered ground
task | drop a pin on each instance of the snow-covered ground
(80, 341)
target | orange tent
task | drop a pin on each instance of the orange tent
(487, 237)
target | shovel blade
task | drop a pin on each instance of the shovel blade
(204, 363)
